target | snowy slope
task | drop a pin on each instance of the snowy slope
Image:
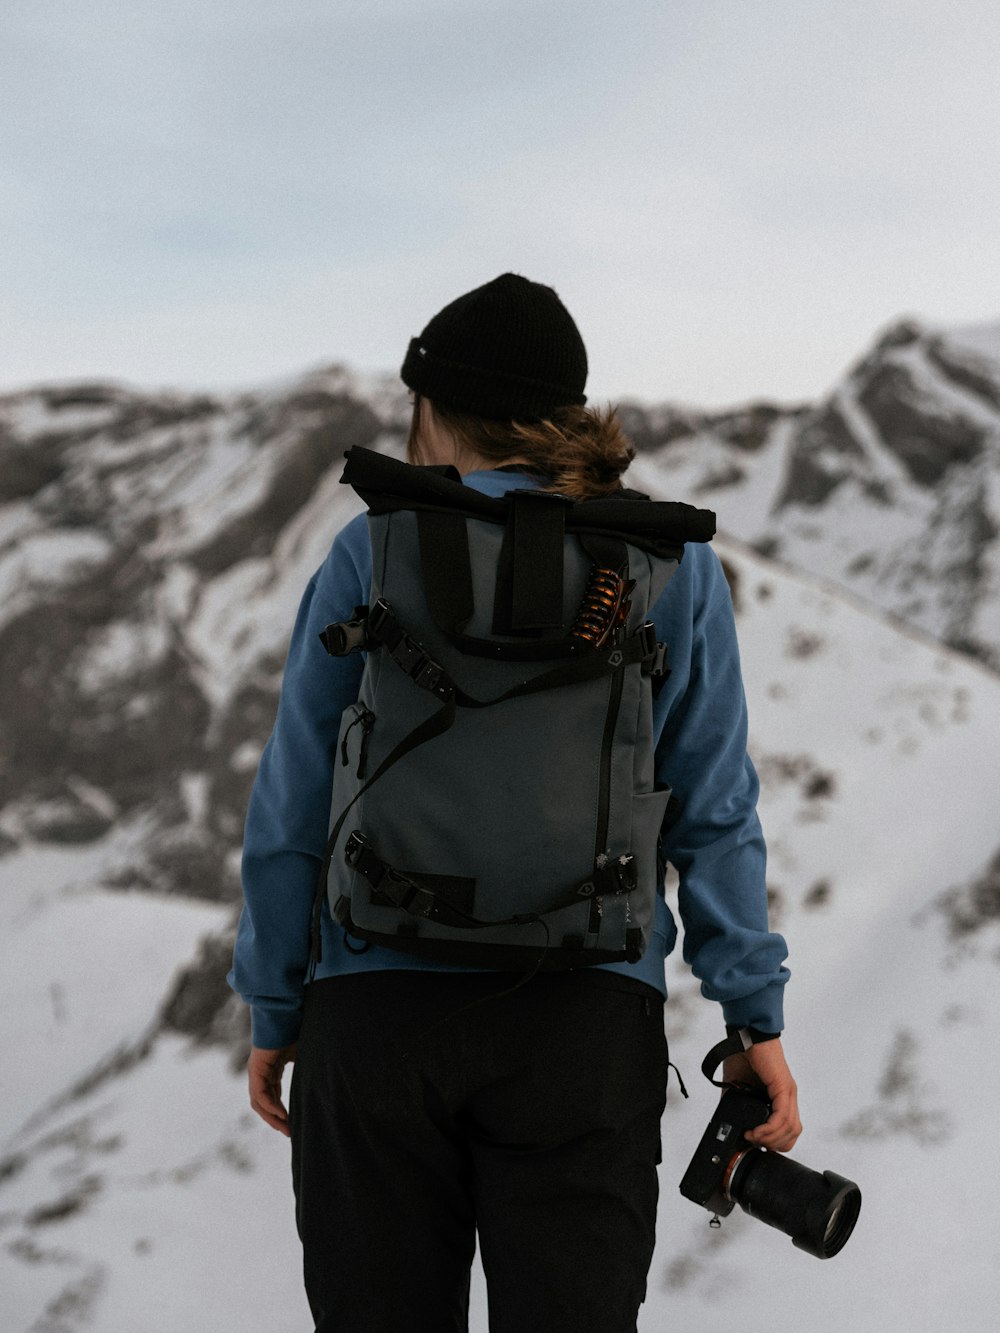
(147, 1202)
(152, 551)
(879, 757)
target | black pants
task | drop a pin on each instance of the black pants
(425, 1107)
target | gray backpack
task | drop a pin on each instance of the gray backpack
(494, 803)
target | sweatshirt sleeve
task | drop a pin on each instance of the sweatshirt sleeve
(288, 815)
(715, 840)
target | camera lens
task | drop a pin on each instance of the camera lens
(818, 1210)
(843, 1216)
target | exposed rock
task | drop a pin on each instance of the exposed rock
(974, 375)
(971, 908)
(650, 429)
(750, 428)
(904, 1102)
(927, 441)
(25, 471)
(202, 1006)
(819, 459)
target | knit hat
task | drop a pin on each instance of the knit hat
(508, 350)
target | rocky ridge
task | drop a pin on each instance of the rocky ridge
(889, 486)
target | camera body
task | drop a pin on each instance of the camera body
(720, 1152)
(816, 1209)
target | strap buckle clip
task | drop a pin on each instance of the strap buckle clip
(355, 848)
(347, 636)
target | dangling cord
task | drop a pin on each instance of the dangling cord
(680, 1081)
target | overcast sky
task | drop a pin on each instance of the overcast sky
(731, 196)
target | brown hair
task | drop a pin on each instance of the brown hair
(581, 451)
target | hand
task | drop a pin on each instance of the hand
(765, 1063)
(265, 1069)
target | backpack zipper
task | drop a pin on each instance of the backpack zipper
(607, 742)
(367, 719)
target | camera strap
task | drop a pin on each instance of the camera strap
(736, 1041)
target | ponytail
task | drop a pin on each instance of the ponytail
(580, 451)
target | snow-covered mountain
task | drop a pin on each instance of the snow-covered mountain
(890, 485)
(152, 551)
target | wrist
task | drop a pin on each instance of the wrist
(751, 1036)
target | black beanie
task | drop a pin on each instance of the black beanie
(508, 350)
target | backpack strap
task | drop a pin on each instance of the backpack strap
(416, 895)
(584, 662)
(529, 589)
(528, 600)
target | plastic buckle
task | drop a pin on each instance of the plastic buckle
(355, 847)
(346, 636)
(411, 897)
(647, 635)
(428, 675)
(411, 658)
(377, 616)
(421, 903)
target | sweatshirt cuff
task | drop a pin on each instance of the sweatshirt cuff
(275, 1025)
(763, 1010)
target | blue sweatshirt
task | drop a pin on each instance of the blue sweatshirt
(700, 726)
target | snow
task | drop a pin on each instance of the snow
(210, 488)
(45, 560)
(31, 413)
(246, 613)
(167, 1166)
(119, 650)
(84, 968)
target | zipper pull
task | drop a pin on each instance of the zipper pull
(344, 757)
(367, 720)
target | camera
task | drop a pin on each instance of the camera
(817, 1209)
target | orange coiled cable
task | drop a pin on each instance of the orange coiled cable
(604, 608)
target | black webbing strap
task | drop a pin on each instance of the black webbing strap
(446, 574)
(736, 1042)
(538, 526)
(417, 897)
(585, 664)
(590, 666)
(446, 568)
(730, 1045)
(383, 629)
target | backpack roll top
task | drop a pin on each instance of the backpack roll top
(493, 801)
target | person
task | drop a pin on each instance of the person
(430, 1104)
